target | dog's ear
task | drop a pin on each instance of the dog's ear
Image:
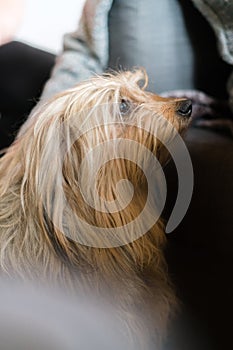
(40, 148)
(137, 76)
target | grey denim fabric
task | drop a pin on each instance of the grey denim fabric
(154, 37)
(88, 50)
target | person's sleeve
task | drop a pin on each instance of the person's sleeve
(219, 14)
(85, 51)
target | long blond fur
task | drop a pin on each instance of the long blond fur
(38, 234)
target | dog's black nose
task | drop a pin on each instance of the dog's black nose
(185, 108)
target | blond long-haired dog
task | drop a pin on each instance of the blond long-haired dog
(73, 187)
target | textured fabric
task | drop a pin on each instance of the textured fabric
(154, 37)
(87, 50)
(172, 40)
(219, 13)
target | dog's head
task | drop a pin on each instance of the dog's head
(107, 110)
(91, 149)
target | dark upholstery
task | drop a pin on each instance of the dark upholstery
(23, 72)
(200, 250)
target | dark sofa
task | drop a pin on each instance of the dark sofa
(200, 250)
(23, 73)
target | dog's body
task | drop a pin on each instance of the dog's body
(41, 238)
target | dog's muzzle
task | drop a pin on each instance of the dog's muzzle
(185, 108)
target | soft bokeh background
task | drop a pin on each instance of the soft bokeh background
(44, 22)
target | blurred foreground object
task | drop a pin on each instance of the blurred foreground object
(41, 318)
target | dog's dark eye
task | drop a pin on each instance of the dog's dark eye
(124, 106)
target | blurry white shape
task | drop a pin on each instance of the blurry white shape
(46, 21)
(36, 318)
